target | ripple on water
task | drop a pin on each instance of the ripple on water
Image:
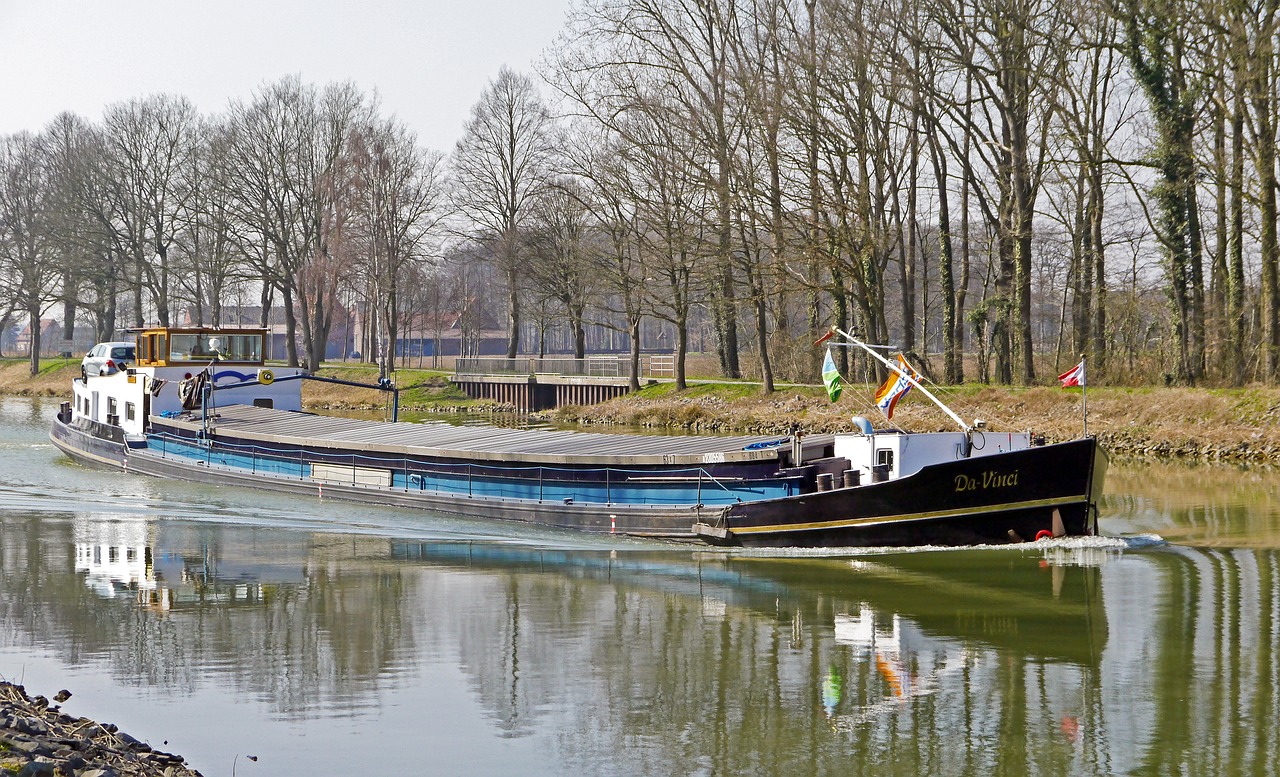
(1099, 544)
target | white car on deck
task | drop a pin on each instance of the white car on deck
(107, 359)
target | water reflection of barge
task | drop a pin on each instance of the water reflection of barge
(1048, 608)
(199, 405)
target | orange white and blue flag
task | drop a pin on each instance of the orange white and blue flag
(895, 387)
(1073, 376)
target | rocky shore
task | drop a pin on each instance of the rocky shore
(37, 740)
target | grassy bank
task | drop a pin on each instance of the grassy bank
(54, 379)
(1209, 424)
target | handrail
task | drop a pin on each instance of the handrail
(604, 365)
(380, 386)
(451, 479)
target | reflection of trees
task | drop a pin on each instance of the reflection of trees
(1214, 672)
(335, 632)
(1238, 509)
(674, 662)
(721, 671)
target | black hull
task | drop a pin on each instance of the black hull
(987, 500)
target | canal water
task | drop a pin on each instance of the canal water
(270, 635)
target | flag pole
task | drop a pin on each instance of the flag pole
(1084, 395)
(894, 368)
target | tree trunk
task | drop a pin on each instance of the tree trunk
(1235, 254)
(513, 313)
(633, 373)
(576, 315)
(33, 316)
(290, 326)
(682, 350)
(946, 281)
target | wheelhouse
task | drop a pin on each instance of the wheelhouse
(172, 347)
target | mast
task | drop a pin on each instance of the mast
(855, 341)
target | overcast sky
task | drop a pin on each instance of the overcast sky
(429, 60)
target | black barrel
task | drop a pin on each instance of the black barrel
(852, 477)
(825, 480)
(879, 473)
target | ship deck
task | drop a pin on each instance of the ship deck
(482, 442)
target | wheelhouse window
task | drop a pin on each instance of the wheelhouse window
(220, 346)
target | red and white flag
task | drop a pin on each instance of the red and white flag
(1073, 376)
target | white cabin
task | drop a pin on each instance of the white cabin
(888, 455)
(166, 357)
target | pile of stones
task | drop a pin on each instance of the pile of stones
(36, 740)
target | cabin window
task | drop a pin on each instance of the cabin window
(111, 406)
(206, 346)
(266, 402)
(183, 348)
(244, 348)
(129, 412)
(884, 456)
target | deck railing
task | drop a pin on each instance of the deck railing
(599, 485)
(603, 365)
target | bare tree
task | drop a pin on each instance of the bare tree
(674, 61)
(500, 166)
(29, 261)
(149, 142)
(594, 158)
(672, 208)
(563, 254)
(398, 202)
(283, 165)
(89, 271)
(215, 254)
(1154, 42)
